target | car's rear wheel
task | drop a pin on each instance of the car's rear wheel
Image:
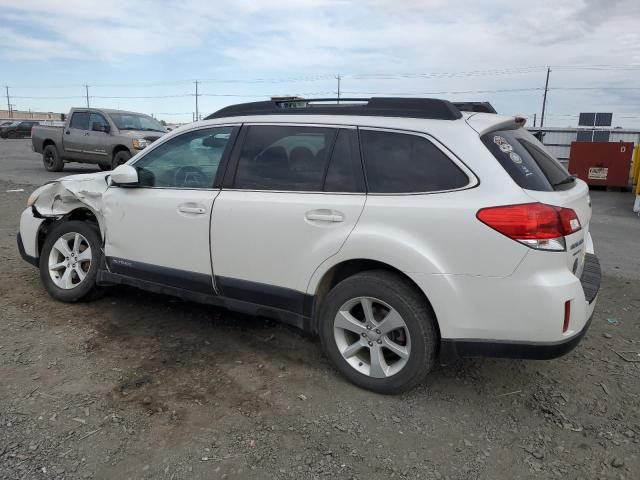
(120, 158)
(378, 331)
(51, 160)
(69, 261)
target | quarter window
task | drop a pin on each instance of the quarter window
(406, 163)
(525, 159)
(189, 160)
(80, 120)
(290, 158)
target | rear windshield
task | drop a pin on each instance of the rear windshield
(526, 160)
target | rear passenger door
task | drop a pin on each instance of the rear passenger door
(291, 196)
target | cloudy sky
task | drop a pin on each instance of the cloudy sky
(244, 50)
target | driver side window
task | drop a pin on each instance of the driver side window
(189, 160)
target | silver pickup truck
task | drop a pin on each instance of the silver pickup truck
(101, 136)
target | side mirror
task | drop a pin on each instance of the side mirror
(124, 175)
(100, 127)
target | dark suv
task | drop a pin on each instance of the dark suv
(19, 129)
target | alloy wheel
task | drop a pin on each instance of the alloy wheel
(70, 260)
(48, 158)
(372, 337)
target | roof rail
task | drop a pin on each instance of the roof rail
(429, 108)
(480, 107)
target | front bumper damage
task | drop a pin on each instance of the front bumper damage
(57, 199)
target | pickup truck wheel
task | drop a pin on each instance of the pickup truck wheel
(378, 331)
(50, 158)
(119, 158)
(104, 167)
(69, 261)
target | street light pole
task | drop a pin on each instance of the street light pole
(8, 102)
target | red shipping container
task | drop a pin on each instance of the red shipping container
(601, 163)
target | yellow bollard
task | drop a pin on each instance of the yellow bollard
(635, 171)
(636, 178)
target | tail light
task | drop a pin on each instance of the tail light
(535, 225)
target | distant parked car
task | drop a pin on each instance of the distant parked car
(18, 129)
(104, 137)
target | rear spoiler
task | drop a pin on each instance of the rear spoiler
(478, 107)
(484, 124)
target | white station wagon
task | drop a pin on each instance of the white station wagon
(401, 231)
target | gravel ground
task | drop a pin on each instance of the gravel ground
(144, 386)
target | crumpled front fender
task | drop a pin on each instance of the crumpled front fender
(66, 194)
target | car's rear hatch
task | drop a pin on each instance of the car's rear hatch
(544, 179)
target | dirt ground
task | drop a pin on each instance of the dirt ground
(143, 386)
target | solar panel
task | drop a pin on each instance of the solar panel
(584, 136)
(603, 119)
(601, 135)
(587, 119)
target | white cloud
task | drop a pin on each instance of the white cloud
(287, 38)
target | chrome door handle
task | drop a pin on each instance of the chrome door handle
(197, 210)
(324, 216)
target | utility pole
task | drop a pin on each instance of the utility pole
(86, 89)
(197, 114)
(8, 102)
(544, 98)
(534, 119)
(338, 78)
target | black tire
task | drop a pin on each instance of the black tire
(119, 158)
(51, 160)
(12, 135)
(87, 288)
(402, 296)
(104, 167)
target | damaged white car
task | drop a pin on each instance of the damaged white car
(401, 231)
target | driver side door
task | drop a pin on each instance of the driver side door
(158, 230)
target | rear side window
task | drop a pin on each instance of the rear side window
(525, 159)
(406, 163)
(80, 120)
(289, 158)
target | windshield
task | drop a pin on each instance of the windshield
(10, 124)
(133, 121)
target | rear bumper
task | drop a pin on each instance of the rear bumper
(450, 349)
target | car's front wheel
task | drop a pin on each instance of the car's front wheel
(377, 329)
(69, 261)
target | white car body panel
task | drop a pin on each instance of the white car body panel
(172, 230)
(265, 237)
